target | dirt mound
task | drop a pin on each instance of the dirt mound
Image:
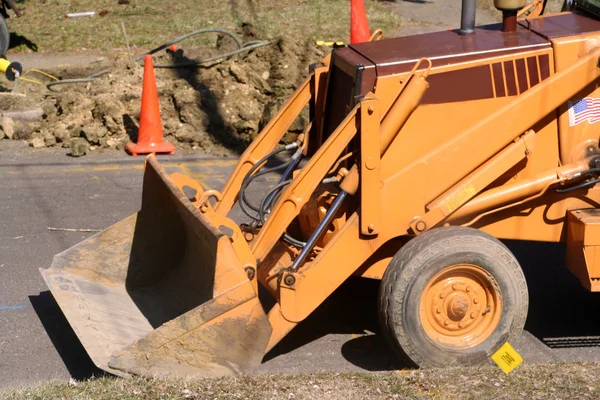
(218, 108)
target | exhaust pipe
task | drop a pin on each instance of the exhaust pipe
(467, 20)
(510, 9)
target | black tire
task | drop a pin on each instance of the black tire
(421, 260)
(4, 37)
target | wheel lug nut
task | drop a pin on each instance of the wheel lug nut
(475, 301)
(454, 287)
(441, 295)
(468, 288)
(460, 324)
(438, 311)
(446, 322)
(473, 315)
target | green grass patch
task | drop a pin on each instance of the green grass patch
(152, 22)
(574, 381)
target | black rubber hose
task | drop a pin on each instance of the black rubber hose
(258, 174)
(197, 63)
(582, 185)
(263, 205)
(255, 167)
(181, 38)
(586, 172)
(241, 49)
(245, 182)
(292, 241)
(91, 78)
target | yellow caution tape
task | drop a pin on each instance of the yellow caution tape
(4, 64)
(507, 358)
(330, 44)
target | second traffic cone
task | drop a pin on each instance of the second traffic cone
(359, 24)
(150, 134)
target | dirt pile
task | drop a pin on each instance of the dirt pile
(217, 109)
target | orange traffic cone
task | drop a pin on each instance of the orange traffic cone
(359, 25)
(150, 135)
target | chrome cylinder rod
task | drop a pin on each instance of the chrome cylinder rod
(319, 231)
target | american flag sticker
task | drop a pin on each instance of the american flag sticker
(587, 109)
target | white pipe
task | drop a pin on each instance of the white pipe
(83, 14)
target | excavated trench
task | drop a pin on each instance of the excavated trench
(217, 108)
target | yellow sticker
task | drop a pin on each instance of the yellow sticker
(507, 358)
(460, 197)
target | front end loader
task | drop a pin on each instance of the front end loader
(421, 154)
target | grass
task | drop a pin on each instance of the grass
(575, 381)
(152, 22)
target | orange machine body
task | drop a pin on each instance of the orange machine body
(492, 138)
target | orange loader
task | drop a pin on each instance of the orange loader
(421, 154)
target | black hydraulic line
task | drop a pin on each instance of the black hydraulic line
(294, 242)
(582, 185)
(246, 181)
(259, 164)
(586, 172)
(272, 192)
(292, 164)
(251, 212)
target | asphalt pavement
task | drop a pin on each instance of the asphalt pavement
(41, 189)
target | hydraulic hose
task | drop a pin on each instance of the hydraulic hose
(291, 166)
(263, 204)
(250, 212)
(582, 185)
(247, 183)
(194, 63)
(273, 193)
(189, 35)
(91, 78)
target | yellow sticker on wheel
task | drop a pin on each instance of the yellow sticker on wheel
(507, 358)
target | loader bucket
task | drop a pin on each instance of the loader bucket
(162, 292)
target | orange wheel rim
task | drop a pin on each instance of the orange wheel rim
(460, 307)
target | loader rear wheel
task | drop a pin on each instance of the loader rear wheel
(452, 296)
